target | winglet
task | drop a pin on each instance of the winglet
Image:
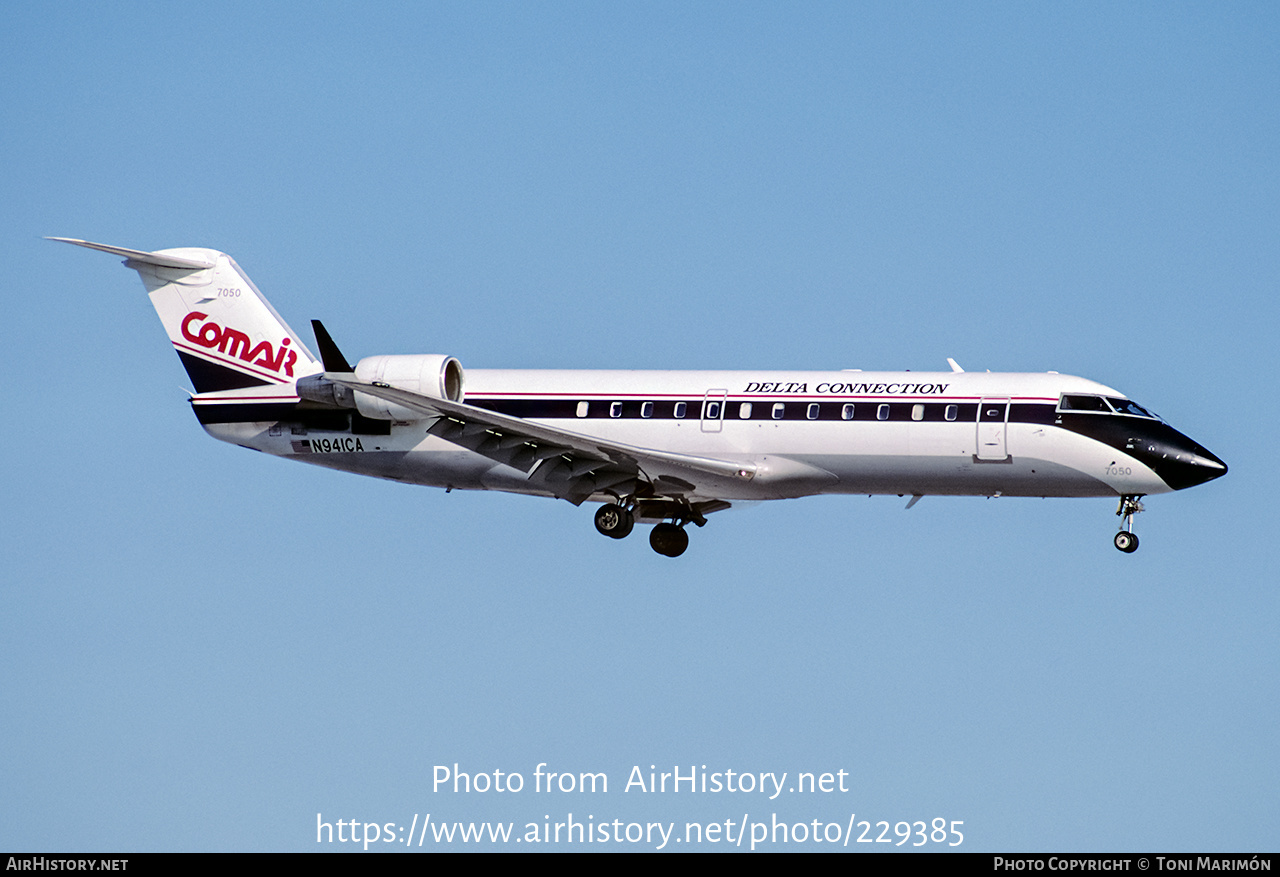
(160, 260)
(955, 366)
(330, 355)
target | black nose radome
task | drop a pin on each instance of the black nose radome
(1179, 461)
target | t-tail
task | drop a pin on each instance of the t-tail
(226, 333)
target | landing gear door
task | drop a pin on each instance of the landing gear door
(993, 429)
(713, 410)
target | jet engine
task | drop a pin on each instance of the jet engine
(440, 377)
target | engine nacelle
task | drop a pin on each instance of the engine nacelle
(440, 377)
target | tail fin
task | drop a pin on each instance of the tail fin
(226, 333)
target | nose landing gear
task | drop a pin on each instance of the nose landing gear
(1126, 540)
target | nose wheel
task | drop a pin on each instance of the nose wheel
(1126, 540)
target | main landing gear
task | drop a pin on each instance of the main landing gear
(1127, 540)
(615, 521)
(668, 539)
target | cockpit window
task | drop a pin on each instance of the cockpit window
(1102, 405)
(1083, 403)
(1127, 406)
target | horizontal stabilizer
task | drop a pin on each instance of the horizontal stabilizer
(160, 260)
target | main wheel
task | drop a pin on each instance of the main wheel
(668, 539)
(614, 521)
(1126, 542)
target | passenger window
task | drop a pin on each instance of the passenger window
(744, 411)
(712, 411)
(646, 410)
(846, 413)
(812, 413)
(583, 408)
(681, 408)
(882, 413)
(953, 411)
(615, 409)
(779, 409)
(917, 411)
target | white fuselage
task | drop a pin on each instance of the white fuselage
(932, 438)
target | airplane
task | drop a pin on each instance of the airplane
(666, 448)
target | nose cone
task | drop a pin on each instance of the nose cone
(1179, 461)
(1195, 469)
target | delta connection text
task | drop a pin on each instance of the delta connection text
(852, 388)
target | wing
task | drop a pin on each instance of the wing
(567, 464)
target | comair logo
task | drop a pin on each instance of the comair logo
(235, 343)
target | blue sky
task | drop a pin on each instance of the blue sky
(204, 647)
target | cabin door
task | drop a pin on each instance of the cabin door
(993, 429)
